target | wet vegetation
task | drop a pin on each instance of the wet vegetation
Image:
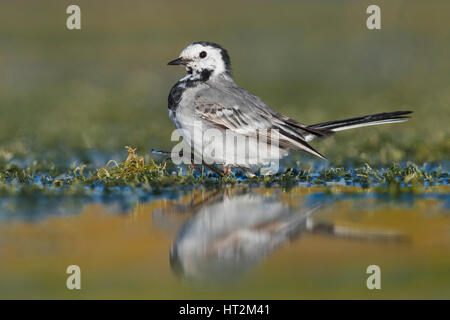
(158, 176)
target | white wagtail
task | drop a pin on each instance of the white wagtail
(208, 98)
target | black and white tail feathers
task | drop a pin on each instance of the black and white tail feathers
(369, 120)
(326, 129)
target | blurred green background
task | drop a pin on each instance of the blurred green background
(68, 93)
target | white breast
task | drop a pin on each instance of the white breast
(213, 143)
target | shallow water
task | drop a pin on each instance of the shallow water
(233, 243)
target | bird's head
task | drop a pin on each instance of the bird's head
(204, 60)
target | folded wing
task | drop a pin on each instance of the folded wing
(247, 115)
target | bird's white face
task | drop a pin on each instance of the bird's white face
(203, 60)
(200, 58)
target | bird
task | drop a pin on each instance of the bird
(217, 243)
(207, 100)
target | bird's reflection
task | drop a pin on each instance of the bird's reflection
(228, 233)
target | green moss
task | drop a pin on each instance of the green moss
(161, 176)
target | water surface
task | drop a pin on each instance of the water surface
(239, 242)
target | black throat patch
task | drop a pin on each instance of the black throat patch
(177, 90)
(205, 74)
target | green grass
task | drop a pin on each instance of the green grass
(162, 176)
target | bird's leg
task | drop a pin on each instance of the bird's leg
(226, 170)
(191, 165)
(213, 168)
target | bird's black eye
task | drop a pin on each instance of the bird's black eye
(202, 54)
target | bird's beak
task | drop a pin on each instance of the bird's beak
(177, 62)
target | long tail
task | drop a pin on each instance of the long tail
(369, 120)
